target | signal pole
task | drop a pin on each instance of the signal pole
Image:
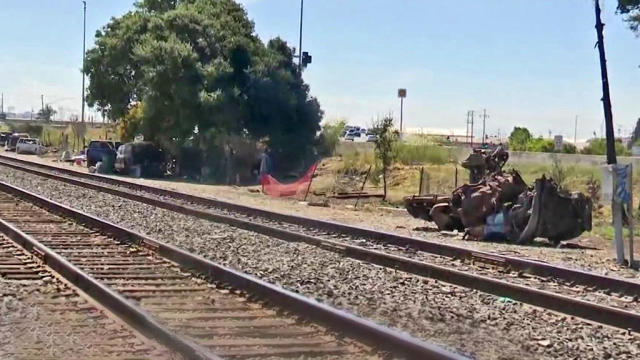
(84, 33)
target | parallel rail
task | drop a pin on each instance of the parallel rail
(37, 314)
(553, 301)
(106, 269)
(575, 276)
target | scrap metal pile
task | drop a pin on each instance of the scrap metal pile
(500, 206)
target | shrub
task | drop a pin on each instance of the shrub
(330, 137)
(410, 154)
(599, 147)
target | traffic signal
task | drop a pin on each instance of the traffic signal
(306, 59)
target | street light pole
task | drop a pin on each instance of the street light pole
(84, 33)
(300, 40)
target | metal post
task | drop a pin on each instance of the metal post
(630, 216)
(300, 40)
(401, 109)
(308, 186)
(84, 32)
(362, 188)
(421, 177)
(456, 178)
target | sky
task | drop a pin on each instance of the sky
(528, 63)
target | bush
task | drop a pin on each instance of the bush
(569, 148)
(329, 138)
(410, 154)
(540, 145)
(599, 147)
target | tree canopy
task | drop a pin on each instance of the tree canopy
(519, 138)
(631, 10)
(190, 72)
(46, 113)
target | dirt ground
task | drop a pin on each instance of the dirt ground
(589, 252)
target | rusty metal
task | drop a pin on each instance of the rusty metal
(132, 283)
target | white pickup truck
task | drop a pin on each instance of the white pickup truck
(29, 146)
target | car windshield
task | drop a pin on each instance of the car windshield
(29, 141)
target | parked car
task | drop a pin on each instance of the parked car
(98, 149)
(4, 136)
(372, 138)
(352, 136)
(140, 159)
(12, 141)
(29, 146)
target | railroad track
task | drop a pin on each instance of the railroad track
(607, 300)
(43, 317)
(189, 304)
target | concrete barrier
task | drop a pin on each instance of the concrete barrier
(515, 157)
(567, 159)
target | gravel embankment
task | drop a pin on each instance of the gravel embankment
(605, 297)
(471, 322)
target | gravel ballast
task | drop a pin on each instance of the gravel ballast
(564, 287)
(471, 322)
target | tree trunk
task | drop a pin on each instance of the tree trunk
(384, 182)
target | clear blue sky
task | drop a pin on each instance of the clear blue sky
(528, 62)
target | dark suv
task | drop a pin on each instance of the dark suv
(98, 149)
(140, 159)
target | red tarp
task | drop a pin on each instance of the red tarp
(271, 186)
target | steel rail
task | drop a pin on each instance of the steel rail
(545, 299)
(114, 302)
(533, 267)
(364, 330)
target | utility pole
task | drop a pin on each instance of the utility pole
(484, 119)
(470, 115)
(300, 40)
(616, 204)
(575, 132)
(606, 97)
(2, 106)
(42, 102)
(84, 33)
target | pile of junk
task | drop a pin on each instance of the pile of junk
(498, 205)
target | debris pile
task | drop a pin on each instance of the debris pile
(498, 205)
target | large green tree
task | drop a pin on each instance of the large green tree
(519, 138)
(202, 75)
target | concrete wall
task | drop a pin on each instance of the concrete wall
(568, 159)
(514, 156)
